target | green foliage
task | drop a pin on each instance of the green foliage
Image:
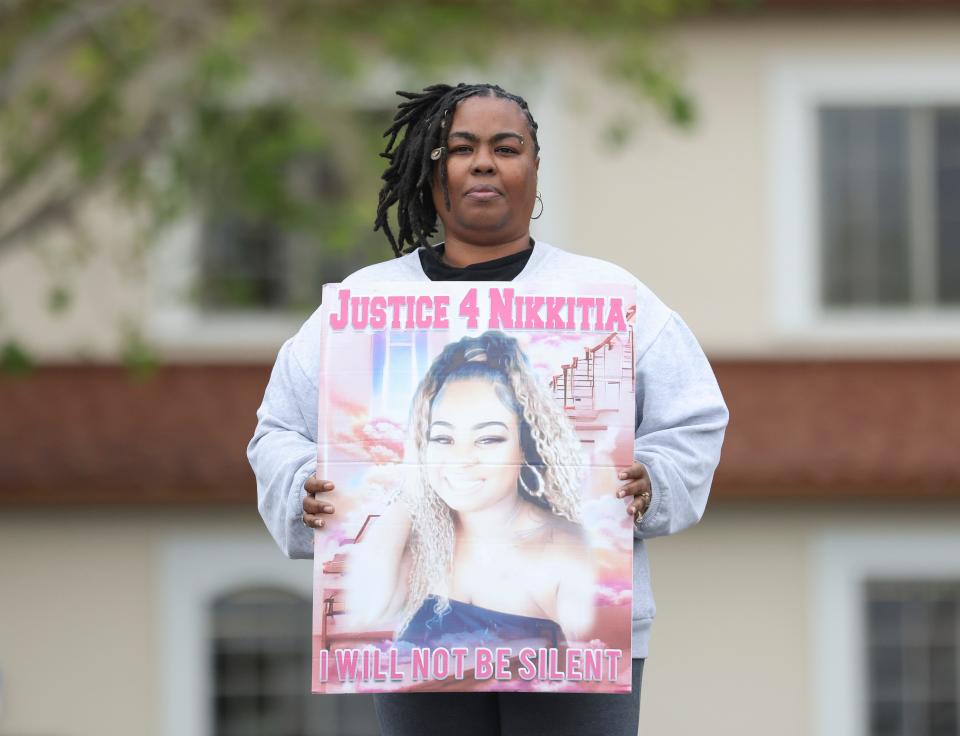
(14, 359)
(193, 106)
(58, 299)
(137, 356)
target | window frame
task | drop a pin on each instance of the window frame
(193, 571)
(797, 87)
(842, 559)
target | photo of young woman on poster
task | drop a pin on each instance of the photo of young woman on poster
(483, 545)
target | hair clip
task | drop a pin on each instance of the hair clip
(475, 355)
(435, 153)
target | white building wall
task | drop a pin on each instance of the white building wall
(737, 649)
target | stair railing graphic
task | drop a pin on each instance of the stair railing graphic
(575, 386)
(332, 607)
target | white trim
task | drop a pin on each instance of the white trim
(797, 86)
(548, 104)
(842, 560)
(193, 571)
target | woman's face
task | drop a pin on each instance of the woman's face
(491, 172)
(473, 446)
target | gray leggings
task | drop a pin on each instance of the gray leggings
(511, 714)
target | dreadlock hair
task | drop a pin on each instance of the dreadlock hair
(424, 120)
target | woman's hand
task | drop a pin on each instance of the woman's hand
(315, 507)
(637, 486)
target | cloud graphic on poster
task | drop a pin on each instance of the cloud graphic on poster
(384, 430)
(383, 480)
(381, 453)
(378, 440)
(605, 442)
(607, 595)
(603, 518)
(557, 339)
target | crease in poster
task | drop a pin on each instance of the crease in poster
(473, 432)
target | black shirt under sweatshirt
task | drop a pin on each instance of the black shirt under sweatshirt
(499, 269)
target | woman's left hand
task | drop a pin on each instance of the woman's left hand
(637, 486)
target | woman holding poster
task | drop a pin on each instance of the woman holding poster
(484, 545)
(467, 157)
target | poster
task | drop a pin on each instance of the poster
(474, 431)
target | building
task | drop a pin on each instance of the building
(806, 229)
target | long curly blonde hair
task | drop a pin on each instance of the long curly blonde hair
(547, 438)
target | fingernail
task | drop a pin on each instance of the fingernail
(620, 494)
(319, 523)
(328, 509)
(328, 486)
(623, 476)
(631, 510)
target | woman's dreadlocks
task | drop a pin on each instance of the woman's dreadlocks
(408, 179)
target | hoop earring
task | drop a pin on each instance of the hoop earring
(537, 492)
(540, 200)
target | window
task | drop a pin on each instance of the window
(400, 360)
(241, 270)
(300, 219)
(244, 264)
(885, 627)
(234, 641)
(913, 657)
(889, 196)
(865, 182)
(228, 281)
(261, 670)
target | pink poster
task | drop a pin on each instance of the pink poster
(474, 431)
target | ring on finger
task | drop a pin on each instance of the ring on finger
(645, 496)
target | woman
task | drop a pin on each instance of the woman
(469, 157)
(484, 547)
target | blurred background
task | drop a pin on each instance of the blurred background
(177, 180)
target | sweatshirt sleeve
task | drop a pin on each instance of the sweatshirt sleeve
(283, 452)
(681, 418)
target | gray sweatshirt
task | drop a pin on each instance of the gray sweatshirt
(680, 418)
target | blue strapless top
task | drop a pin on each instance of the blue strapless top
(468, 625)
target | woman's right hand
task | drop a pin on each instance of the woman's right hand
(314, 506)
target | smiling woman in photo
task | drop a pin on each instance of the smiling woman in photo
(484, 545)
